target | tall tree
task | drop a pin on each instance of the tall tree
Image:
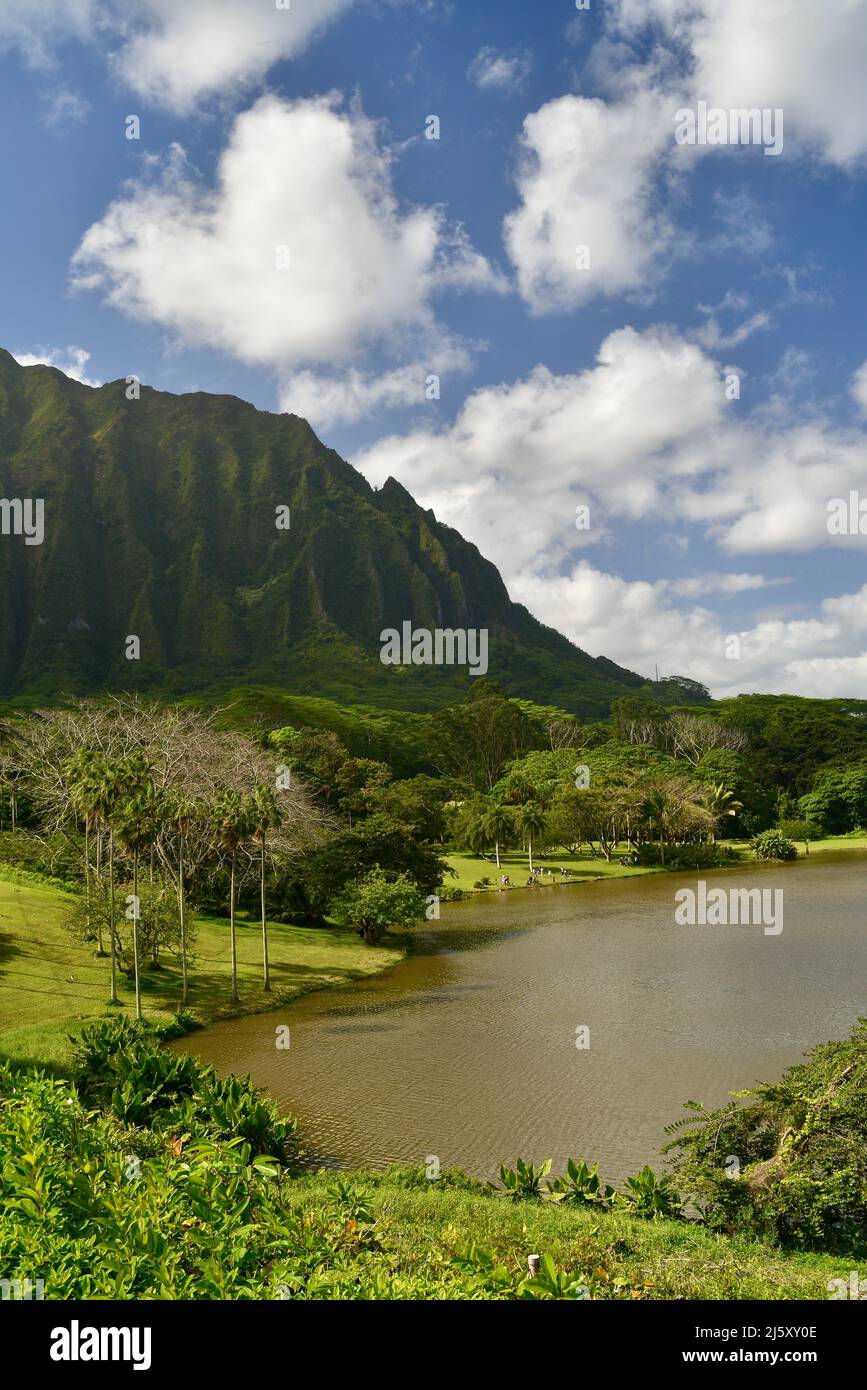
(531, 823)
(135, 823)
(265, 815)
(231, 825)
(497, 825)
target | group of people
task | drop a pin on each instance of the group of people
(535, 876)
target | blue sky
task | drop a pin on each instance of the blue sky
(302, 133)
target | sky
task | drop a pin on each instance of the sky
(475, 246)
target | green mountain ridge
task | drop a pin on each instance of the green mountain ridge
(160, 522)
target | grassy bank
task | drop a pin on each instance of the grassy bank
(584, 867)
(50, 985)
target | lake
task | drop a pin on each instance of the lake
(467, 1050)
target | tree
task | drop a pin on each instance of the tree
(265, 814)
(372, 904)
(497, 825)
(82, 777)
(476, 738)
(135, 824)
(231, 827)
(181, 815)
(656, 809)
(720, 802)
(803, 830)
(532, 823)
(111, 779)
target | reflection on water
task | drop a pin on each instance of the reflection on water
(467, 1049)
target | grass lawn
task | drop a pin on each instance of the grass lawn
(472, 867)
(421, 1226)
(50, 985)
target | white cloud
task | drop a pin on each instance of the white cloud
(185, 51)
(328, 400)
(172, 53)
(636, 624)
(493, 71)
(859, 388)
(298, 254)
(587, 177)
(780, 53)
(646, 436)
(519, 457)
(66, 108)
(39, 27)
(72, 361)
(603, 173)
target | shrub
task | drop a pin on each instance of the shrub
(771, 844)
(701, 855)
(791, 1164)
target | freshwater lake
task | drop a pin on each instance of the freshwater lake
(467, 1049)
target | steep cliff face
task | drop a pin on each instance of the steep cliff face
(161, 522)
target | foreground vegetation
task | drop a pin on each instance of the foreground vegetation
(149, 1177)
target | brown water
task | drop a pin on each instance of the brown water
(467, 1049)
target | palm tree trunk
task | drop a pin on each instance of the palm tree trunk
(135, 910)
(111, 916)
(99, 942)
(497, 852)
(267, 981)
(183, 920)
(530, 851)
(232, 930)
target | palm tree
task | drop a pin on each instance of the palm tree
(231, 815)
(495, 824)
(265, 813)
(81, 772)
(135, 824)
(531, 822)
(181, 813)
(109, 780)
(720, 802)
(656, 809)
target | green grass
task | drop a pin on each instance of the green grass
(50, 985)
(423, 1224)
(469, 868)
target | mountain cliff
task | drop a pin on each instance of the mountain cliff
(160, 522)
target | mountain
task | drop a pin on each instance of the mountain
(160, 522)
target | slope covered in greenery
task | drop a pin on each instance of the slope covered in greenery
(160, 521)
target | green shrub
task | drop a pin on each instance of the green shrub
(771, 844)
(790, 1165)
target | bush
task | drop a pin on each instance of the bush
(698, 856)
(792, 1164)
(772, 845)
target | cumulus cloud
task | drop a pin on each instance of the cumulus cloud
(776, 54)
(650, 408)
(646, 435)
(587, 177)
(493, 71)
(327, 400)
(298, 254)
(637, 624)
(173, 54)
(605, 172)
(859, 388)
(72, 361)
